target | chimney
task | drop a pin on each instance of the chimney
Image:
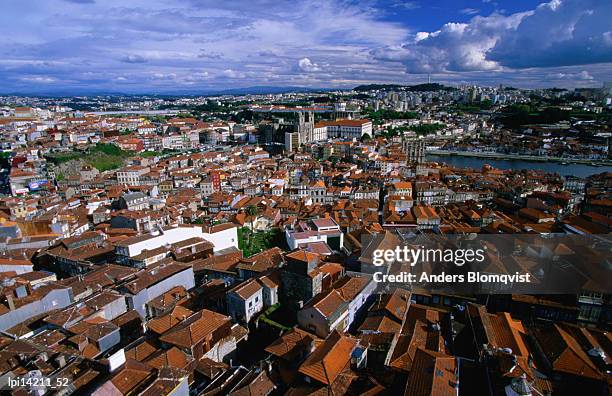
(61, 360)
(10, 301)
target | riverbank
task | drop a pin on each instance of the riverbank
(517, 157)
(563, 169)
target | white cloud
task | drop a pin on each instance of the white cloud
(455, 47)
(558, 33)
(306, 65)
(470, 11)
(164, 76)
(39, 79)
(229, 73)
(580, 76)
(195, 77)
(407, 5)
(134, 58)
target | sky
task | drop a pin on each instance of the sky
(191, 46)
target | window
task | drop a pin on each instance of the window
(256, 299)
(250, 304)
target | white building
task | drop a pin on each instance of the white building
(319, 230)
(346, 129)
(156, 281)
(245, 300)
(222, 236)
(130, 176)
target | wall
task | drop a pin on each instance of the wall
(109, 341)
(184, 278)
(310, 319)
(358, 302)
(55, 299)
(270, 296)
(239, 308)
(115, 309)
(222, 350)
(19, 269)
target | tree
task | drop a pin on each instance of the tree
(252, 211)
(365, 137)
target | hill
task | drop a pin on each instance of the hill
(412, 88)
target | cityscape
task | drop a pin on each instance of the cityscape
(377, 198)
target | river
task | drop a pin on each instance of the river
(579, 170)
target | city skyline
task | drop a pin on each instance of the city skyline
(182, 46)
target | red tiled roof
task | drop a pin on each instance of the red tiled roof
(329, 359)
(432, 373)
(195, 328)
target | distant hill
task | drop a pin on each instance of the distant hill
(263, 89)
(412, 88)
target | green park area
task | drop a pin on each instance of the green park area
(254, 242)
(101, 156)
(163, 153)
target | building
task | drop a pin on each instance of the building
(245, 301)
(434, 373)
(414, 148)
(336, 309)
(222, 237)
(426, 217)
(132, 175)
(152, 283)
(301, 278)
(346, 129)
(402, 188)
(303, 131)
(206, 334)
(325, 364)
(19, 266)
(318, 230)
(431, 193)
(134, 201)
(22, 303)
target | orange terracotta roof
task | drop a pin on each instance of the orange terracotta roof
(432, 373)
(329, 359)
(291, 344)
(195, 328)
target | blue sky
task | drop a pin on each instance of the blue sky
(173, 46)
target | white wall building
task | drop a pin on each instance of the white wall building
(222, 236)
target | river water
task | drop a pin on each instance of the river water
(579, 170)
